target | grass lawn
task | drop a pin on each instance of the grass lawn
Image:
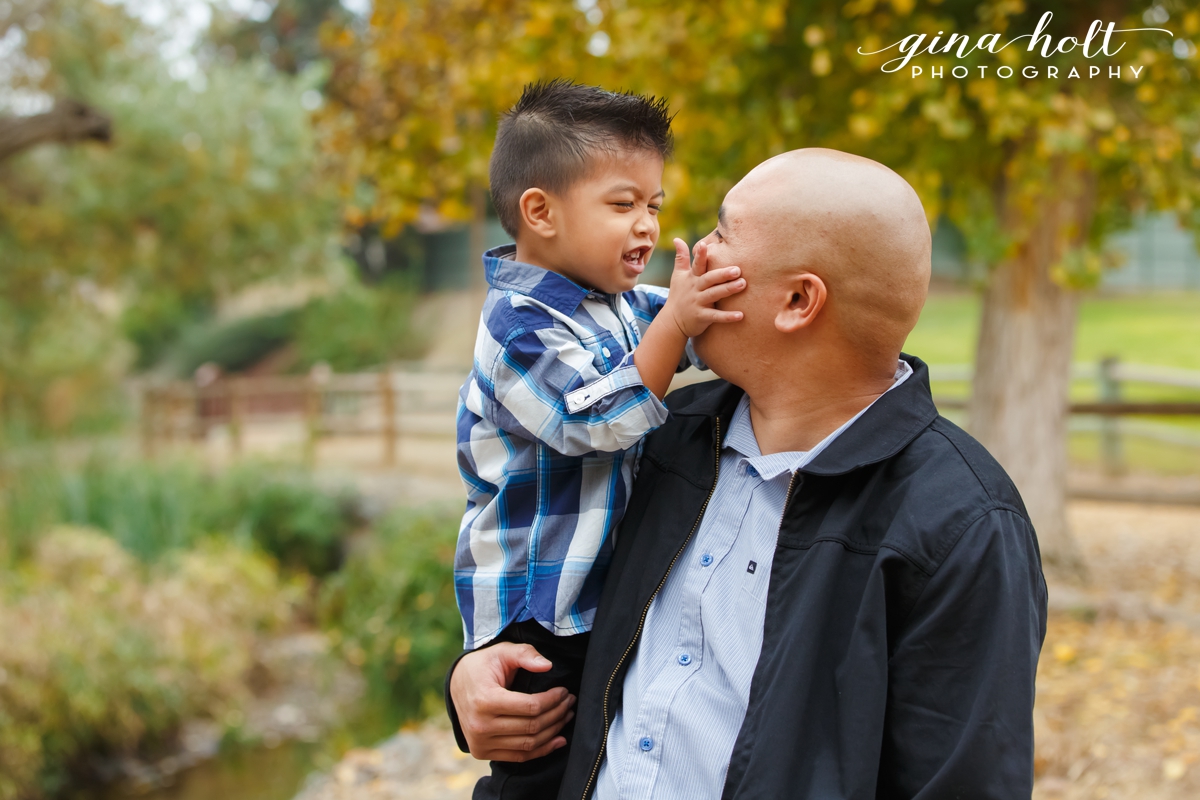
(1161, 329)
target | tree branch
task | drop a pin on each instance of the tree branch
(69, 121)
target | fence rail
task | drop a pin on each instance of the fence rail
(1117, 371)
(1104, 409)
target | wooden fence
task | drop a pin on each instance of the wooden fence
(389, 404)
(384, 405)
(1112, 378)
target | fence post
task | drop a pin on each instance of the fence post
(176, 407)
(387, 394)
(149, 401)
(1111, 453)
(312, 416)
(236, 415)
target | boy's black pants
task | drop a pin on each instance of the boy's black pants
(538, 779)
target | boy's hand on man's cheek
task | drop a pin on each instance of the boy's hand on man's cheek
(695, 290)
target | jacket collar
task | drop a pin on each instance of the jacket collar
(885, 429)
(505, 273)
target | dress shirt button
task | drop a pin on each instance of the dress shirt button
(751, 471)
(647, 744)
(606, 352)
(685, 659)
(706, 560)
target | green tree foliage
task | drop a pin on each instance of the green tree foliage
(211, 183)
(289, 36)
(418, 94)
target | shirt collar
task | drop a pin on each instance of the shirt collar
(742, 440)
(503, 271)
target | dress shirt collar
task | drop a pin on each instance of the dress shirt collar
(504, 272)
(742, 440)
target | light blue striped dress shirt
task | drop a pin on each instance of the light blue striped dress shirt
(688, 687)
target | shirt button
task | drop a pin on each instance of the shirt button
(647, 744)
(685, 659)
(751, 471)
(706, 560)
(606, 352)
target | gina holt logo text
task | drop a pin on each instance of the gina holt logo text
(1103, 39)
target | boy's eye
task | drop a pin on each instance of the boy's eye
(624, 205)
(655, 208)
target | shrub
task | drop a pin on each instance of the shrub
(152, 509)
(392, 606)
(102, 654)
(359, 328)
(356, 328)
(234, 345)
(287, 514)
(156, 319)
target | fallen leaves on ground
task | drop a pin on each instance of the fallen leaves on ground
(1118, 694)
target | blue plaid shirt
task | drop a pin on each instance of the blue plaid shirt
(550, 423)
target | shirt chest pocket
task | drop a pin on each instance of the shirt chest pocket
(755, 582)
(606, 352)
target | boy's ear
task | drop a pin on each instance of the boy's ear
(536, 210)
(806, 294)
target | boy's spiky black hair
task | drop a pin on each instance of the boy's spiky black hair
(549, 137)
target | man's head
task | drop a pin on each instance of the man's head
(576, 178)
(835, 250)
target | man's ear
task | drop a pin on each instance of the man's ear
(805, 298)
(536, 207)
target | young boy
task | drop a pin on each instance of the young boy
(571, 363)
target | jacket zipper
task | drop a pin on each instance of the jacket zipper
(646, 610)
(787, 498)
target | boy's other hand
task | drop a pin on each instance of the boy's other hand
(502, 725)
(695, 290)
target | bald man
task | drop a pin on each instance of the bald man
(821, 588)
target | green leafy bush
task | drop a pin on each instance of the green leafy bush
(103, 654)
(287, 514)
(236, 344)
(358, 328)
(156, 319)
(392, 606)
(152, 509)
(352, 329)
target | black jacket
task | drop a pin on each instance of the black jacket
(905, 613)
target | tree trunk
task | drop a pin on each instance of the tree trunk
(67, 122)
(1019, 398)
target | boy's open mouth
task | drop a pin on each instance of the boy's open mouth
(635, 259)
